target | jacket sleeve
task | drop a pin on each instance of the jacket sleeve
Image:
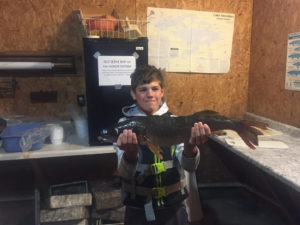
(189, 164)
(126, 170)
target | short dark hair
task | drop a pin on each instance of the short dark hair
(146, 74)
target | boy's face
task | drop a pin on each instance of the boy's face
(148, 97)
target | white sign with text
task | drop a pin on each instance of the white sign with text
(115, 70)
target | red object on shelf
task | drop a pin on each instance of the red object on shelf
(101, 23)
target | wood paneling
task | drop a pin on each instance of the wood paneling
(53, 26)
(272, 22)
(226, 93)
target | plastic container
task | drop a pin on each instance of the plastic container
(57, 134)
(81, 127)
(11, 136)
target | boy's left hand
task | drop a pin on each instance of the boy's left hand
(199, 134)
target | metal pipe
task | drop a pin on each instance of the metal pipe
(25, 65)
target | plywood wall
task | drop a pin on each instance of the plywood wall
(39, 25)
(273, 20)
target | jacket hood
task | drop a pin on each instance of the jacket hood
(133, 110)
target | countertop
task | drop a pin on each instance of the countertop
(283, 163)
(71, 146)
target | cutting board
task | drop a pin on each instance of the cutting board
(233, 139)
(265, 133)
(262, 144)
(269, 132)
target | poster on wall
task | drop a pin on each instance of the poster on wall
(292, 75)
(190, 41)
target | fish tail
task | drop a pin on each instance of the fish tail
(258, 124)
(247, 131)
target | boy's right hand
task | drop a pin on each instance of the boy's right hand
(127, 141)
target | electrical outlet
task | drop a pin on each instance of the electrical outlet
(80, 100)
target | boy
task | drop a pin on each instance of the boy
(153, 190)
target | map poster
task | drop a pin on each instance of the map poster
(190, 41)
(292, 75)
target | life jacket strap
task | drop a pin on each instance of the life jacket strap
(155, 192)
(155, 168)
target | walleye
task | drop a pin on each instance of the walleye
(166, 131)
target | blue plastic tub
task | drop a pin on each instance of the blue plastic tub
(12, 134)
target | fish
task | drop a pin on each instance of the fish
(155, 131)
(294, 72)
(294, 56)
(297, 63)
(295, 42)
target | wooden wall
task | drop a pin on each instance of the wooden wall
(40, 25)
(273, 20)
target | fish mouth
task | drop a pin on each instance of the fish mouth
(107, 136)
(103, 139)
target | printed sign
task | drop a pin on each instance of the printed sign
(115, 70)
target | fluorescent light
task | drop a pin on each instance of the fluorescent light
(25, 65)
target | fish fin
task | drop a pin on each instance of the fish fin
(219, 132)
(249, 133)
(258, 124)
(205, 113)
(155, 149)
(208, 112)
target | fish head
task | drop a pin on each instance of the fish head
(135, 124)
(108, 135)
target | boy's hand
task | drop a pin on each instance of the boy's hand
(199, 135)
(127, 141)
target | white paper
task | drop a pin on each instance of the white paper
(190, 41)
(292, 76)
(115, 70)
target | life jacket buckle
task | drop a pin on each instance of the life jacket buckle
(157, 168)
(158, 192)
